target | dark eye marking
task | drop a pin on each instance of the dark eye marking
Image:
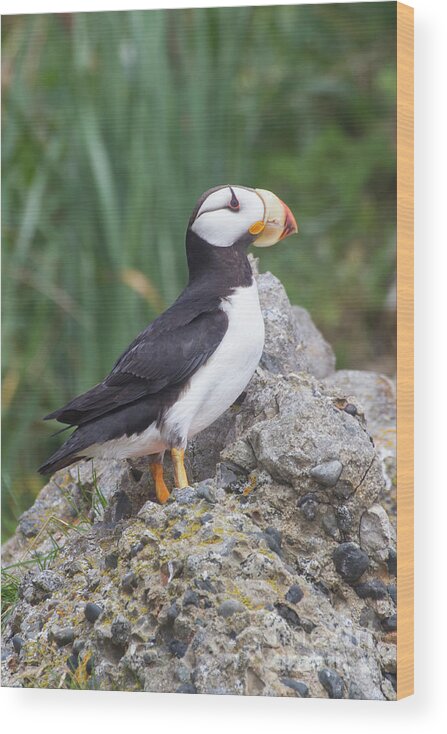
(234, 203)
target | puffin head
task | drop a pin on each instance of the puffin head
(231, 215)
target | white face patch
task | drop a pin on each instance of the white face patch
(219, 224)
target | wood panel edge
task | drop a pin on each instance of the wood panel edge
(405, 351)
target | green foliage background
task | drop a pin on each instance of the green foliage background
(113, 125)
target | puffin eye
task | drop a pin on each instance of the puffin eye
(234, 203)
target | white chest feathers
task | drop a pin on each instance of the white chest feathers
(217, 384)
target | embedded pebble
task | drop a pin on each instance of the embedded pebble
(392, 562)
(374, 589)
(296, 685)
(350, 561)
(190, 598)
(376, 532)
(328, 473)
(92, 611)
(186, 688)
(230, 607)
(129, 582)
(331, 682)
(120, 630)
(294, 594)
(62, 636)
(178, 648)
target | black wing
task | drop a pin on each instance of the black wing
(163, 356)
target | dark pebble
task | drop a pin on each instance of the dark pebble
(205, 585)
(392, 591)
(78, 645)
(389, 624)
(355, 692)
(123, 507)
(350, 408)
(178, 648)
(173, 612)
(294, 594)
(273, 538)
(307, 625)
(73, 662)
(63, 636)
(288, 614)
(309, 510)
(205, 492)
(17, 643)
(331, 682)
(190, 598)
(328, 473)
(374, 589)
(111, 561)
(92, 611)
(350, 561)
(186, 688)
(392, 562)
(297, 686)
(129, 582)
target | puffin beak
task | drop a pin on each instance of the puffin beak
(278, 222)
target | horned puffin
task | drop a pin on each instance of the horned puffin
(190, 364)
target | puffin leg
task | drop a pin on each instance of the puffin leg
(161, 489)
(181, 480)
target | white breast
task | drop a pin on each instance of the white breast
(217, 384)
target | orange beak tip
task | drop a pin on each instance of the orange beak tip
(290, 225)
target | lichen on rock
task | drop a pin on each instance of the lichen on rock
(270, 575)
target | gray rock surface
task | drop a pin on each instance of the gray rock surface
(234, 585)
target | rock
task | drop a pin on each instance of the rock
(389, 624)
(297, 685)
(111, 561)
(332, 683)
(350, 561)
(294, 594)
(391, 562)
(374, 397)
(17, 643)
(392, 591)
(190, 598)
(62, 636)
(230, 607)
(374, 589)
(129, 582)
(186, 688)
(178, 648)
(120, 631)
(92, 612)
(328, 473)
(202, 594)
(376, 532)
